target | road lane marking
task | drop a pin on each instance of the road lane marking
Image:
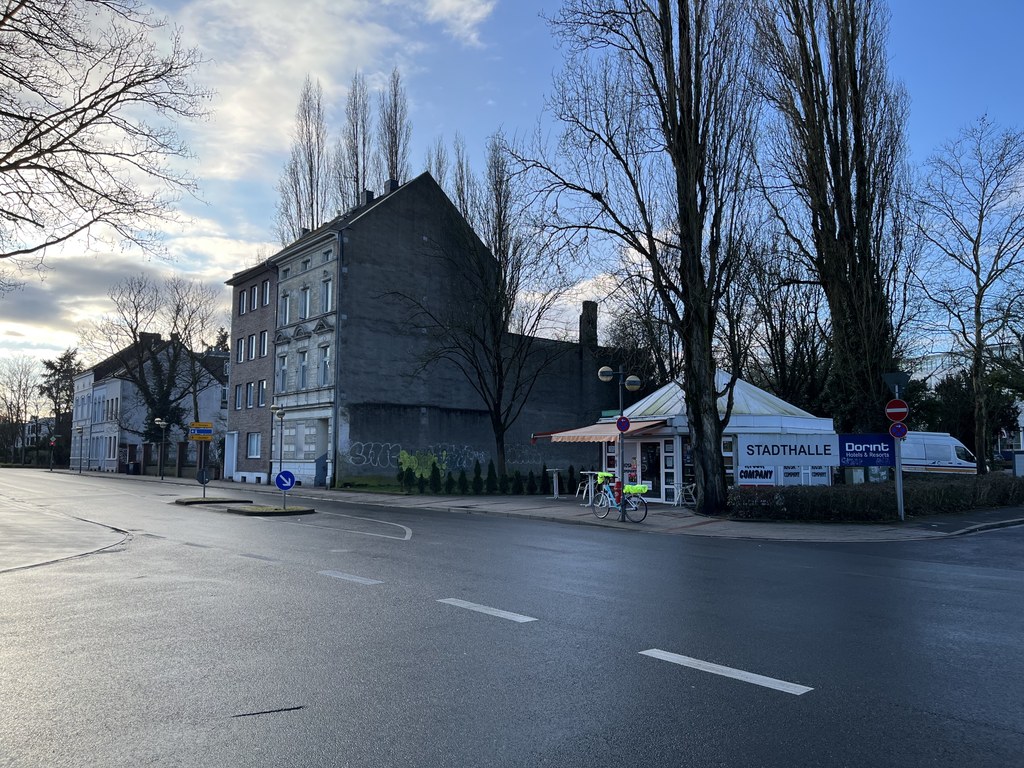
(736, 674)
(518, 617)
(406, 530)
(349, 577)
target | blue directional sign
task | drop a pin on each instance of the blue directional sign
(285, 480)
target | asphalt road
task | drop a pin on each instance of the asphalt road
(372, 637)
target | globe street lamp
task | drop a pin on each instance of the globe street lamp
(163, 443)
(632, 383)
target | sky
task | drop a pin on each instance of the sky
(468, 66)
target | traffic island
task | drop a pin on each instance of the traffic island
(261, 510)
(190, 501)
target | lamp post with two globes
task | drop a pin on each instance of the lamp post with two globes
(632, 383)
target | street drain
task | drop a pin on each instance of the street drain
(270, 711)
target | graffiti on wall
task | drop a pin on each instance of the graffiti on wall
(385, 455)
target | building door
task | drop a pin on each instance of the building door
(650, 468)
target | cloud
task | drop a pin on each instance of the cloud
(462, 18)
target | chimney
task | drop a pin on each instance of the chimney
(303, 231)
(390, 186)
(588, 325)
(367, 197)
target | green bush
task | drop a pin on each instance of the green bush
(449, 484)
(876, 502)
(531, 483)
(478, 480)
(463, 482)
(503, 484)
(421, 484)
(492, 478)
(518, 487)
(408, 479)
(435, 479)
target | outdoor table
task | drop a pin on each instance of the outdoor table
(554, 481)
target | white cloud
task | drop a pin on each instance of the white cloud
(462, 18)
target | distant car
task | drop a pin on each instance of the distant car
(936, 452)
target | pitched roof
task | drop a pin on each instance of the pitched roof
(748, 400)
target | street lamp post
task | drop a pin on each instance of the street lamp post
(278, 411)
(632, 383)
(163, 443)
(81, 448)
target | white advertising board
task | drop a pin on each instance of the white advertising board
(788, 450)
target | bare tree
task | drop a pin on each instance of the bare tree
(463, 191)
(655, 154)
(306, 196)
(511, 285)
(19, 385)
(436, 162)
(835, 170)
(353, 157)
(972, 216)
(163, 336)
(394, 129)
(88, 97)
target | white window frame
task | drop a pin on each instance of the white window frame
(253, 444)
(303, 367)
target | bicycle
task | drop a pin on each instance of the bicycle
(634, 506)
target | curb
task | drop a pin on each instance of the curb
(261, 511)
(981, 527)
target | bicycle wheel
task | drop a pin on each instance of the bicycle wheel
(636, 508)
(601, 505)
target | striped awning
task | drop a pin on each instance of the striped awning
(604, 432)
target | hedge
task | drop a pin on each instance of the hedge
(876, 502)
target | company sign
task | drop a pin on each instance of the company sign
(867, 451)
(756, 476)
(788, 450)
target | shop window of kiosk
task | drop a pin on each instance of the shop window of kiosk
(728, 456)
(669, 459)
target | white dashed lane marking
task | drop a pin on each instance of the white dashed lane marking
(518, 617)
(349, 577)
(735, 674)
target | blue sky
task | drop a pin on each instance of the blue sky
(468, 65)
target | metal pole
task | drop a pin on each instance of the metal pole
(163, 449)
(280, 457)
(81, 450)
(899, 467)
(618, 461)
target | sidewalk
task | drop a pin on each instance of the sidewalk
(661, 519)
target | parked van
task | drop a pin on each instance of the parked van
(936, 452)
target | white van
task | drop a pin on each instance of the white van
(936, 452)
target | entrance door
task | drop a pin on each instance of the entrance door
(650, 468)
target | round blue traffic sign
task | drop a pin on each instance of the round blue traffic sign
(285, 480)
(622, 424)
(898, 430)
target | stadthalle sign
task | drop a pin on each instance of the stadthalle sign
(816, 450)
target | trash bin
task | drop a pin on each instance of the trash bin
(133, 468)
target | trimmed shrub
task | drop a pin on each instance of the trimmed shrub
(531, 483)
(421, 483)
(492, 478)
(876, 502)
(408, 479)
(478, 480)
(518, 487)
(435, 479)
(463, 482)
(449, 484)
(545, 480)
(503, 484)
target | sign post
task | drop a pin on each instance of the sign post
(285, 480)
(202, 433)
(896, 411)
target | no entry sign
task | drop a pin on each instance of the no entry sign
(896, 410)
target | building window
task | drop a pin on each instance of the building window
(250, 394)
(327, 295)
(304, 303)
(238, 397)
(284, 311)
(325, 366)
(266, 292)
(262, 389)
(253, 442)
(284, 273)
(305, 264)
(282, 373)
(263, 343)
(327, 256)
(241, 301)
(303, 358)
(252, 298)
(252, 346)
(239, 350)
